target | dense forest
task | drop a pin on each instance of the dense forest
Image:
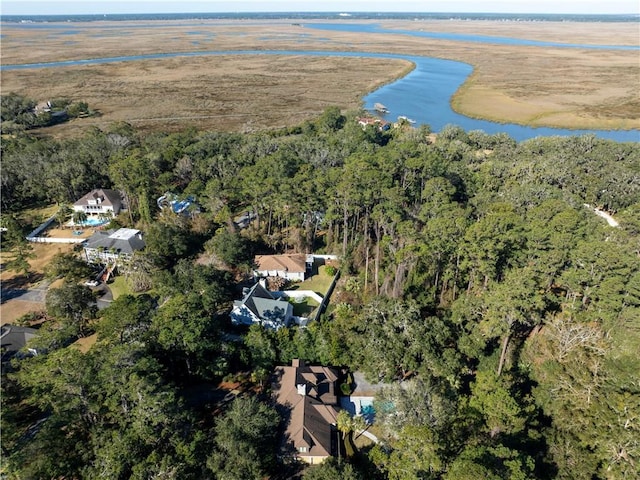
(476, 282)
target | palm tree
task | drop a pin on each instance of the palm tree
(63, 213)
(105, 217)
(79, 218)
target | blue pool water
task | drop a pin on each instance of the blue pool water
(94, 222)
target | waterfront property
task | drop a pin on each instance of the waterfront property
(307, 400)
(376, 122)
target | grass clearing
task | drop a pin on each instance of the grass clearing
(305, 307)
(119, 287)
(42, 255)
(14, 309)
(319, 283)
(33, 217)
(85, 344)
(361, 442)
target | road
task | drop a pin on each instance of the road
(35, 294)
(38, 294)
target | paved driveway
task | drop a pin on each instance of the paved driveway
(36, 294)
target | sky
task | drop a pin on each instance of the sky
(62, 7)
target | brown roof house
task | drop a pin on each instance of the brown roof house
(306, 397)
(99, 201)
(291, 267)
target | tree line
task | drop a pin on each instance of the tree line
(502, 313)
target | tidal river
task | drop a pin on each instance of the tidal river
(423, 95)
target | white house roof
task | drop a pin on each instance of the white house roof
(124, 233)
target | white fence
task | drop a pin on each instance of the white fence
(55, 240)
(300, 295)
(325, 257)
(33, 236)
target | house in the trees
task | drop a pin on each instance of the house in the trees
(14, 339)
(259, 305)
(185, 206)
(306, 397)
(113, 247)
(292, 267)
(100, 201)
(378, 123)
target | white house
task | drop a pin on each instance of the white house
(258, 305)
(108, 247)
(99, 201)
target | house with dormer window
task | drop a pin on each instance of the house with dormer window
(100, 201)
(306, 397)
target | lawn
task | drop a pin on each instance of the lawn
(85, 344)
(33, 217)
(318, 283)
(305, 307)
(119, 287)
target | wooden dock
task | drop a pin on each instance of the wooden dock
(380, 108)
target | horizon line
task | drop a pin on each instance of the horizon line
(320, 11)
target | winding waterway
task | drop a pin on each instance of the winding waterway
(423, 95)
(460, 37)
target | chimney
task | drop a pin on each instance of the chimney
(296, 362)
(302, 389)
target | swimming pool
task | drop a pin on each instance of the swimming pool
(94, 222)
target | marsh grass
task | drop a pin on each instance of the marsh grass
(558, 87)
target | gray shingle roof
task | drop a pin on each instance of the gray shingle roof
(14, 338)
(108, 197)
(265, 306)
(124, 240)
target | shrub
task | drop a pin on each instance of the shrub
(345, 388)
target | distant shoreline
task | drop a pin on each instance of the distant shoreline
(540, 86)
(348, 16)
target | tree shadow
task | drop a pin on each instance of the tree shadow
(19, 284)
